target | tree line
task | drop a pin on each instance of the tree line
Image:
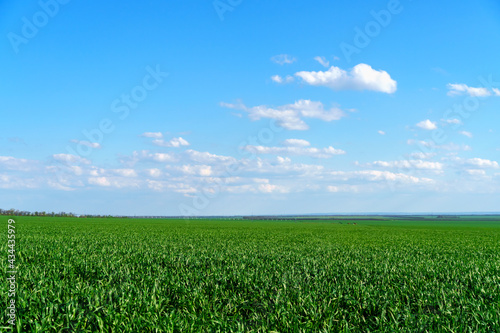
(16, 212)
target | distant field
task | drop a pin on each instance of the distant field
(145, 275)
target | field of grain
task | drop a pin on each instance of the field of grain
(145, 275)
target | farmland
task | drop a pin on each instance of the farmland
(165, 275)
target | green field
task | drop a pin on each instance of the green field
(145, 275)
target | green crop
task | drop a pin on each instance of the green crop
(128, 275)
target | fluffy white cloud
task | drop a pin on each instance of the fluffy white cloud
(480, 163)
(476, 172)
(408, 164)
(270, 188)
(162, 157)
(154, 135)
(381, 132)
(20, 182)
(421, 155)
(376, 175)
(431, 145)
(296, 143)
(343, 188)
(154, 172)
(295, 150)
(146, 155)
(427, 125)
(290, 116)
(322, 61)
(360, 77)
(281, 166)
(206, 157)
(100, 181)
(174, 142)
(192, 169)
(161, 186)
(465, 133)
(455, 89)
(279, 79)
(282, 59)
(70, 159)
(115, 182)
(19, 164)
(465, 164)
(124, 172)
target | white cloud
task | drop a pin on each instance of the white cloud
(269, 188)
(472, 163)
(375, 176)
(197, 170)
(146, 155)
(454, 121)
(427, 125)
(70, 159)
(282, 59)
(283, 160)
(89, 144)
(421, 155)
(480, 163)
(206, 157)
(124, 172)
(296, 150)
(360, 77)
(175, 142)
(296, 143)
(455, 89)
(433, 146)
(465, 133)
(115, 182)
(18, 164)
(257, 188)
(476, 172)
(290, 116)
(408, 164)
(154, 135)
(344, 188)
(17, 183)
(496, 91)
(322, 61)
(163, 157)
(100, 181)
(279, 79)
(160, 186)
(281, 166)
(154, 172)
(381, 132)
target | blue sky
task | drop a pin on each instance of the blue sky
(250, 107)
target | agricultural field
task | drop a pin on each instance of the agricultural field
(164, 275)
